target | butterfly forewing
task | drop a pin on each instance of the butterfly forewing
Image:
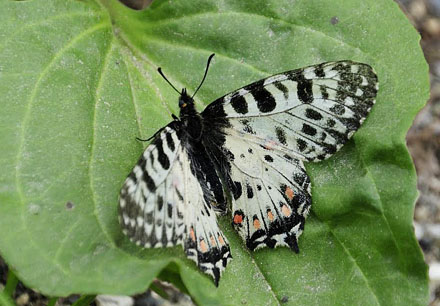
(150, 211)
(162, 204)
(311, 112)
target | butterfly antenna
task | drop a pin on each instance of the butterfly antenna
(161, 73)
(206, 72)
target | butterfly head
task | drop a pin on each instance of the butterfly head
(185, 100)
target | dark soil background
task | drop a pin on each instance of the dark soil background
(424, 145)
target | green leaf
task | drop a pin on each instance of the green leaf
(78, 83)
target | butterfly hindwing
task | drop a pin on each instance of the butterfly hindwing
(305, 114)
(271, 195)
(205, 243)
(162, 204)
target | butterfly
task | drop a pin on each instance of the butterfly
(249, 147)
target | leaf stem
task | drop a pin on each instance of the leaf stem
(52, 301)
(156, 287)
(5, 299)
(84, 300)
(11, 284)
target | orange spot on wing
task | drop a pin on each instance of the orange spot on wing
(289, 193)
(286, 210)
(192, 235)
(212, 241)
(238, 219)
(270, 144)
(257, 224)
(203, 246)
(270, 215)
(222, 241)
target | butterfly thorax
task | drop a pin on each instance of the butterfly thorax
(191, 119)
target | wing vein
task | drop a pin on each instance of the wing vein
(286, 150)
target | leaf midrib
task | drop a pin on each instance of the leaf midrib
(96, 96)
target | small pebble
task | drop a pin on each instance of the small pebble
(114, 300)
(22, 300)
(417, 9)
(434, 271)
(432, 26)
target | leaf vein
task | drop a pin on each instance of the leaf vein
(14, 34)
(133, 99)
(22, 132)
(93, 144)
(352, 259)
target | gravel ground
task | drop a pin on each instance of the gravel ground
(424, 145)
